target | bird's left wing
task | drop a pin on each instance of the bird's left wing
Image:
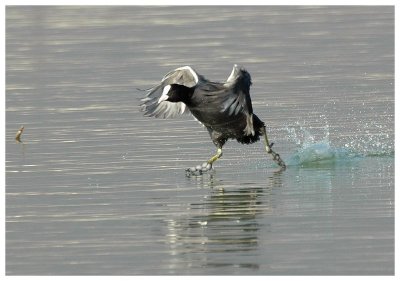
(238, 100)
(154, 105)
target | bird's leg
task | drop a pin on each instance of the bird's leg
(206, 166)
(268, 148)
(216, 156)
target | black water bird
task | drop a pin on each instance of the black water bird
(225, 108)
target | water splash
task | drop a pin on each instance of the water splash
(314, 147)
(376, 141)
(311, 148)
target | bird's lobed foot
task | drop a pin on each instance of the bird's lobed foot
(199, 169)
(275, 156)
(278, 160)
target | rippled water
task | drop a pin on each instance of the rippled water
(96, 188)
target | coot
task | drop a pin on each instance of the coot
(225, 108)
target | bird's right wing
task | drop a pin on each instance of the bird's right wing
(154, 105)
(238, 100)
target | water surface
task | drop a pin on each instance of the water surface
(96, 188)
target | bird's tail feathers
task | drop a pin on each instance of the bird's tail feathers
(249, 129)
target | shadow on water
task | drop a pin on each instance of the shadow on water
(223, 226)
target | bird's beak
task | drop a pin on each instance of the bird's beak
(164, 95)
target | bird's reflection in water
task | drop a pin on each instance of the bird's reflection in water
(221, 231)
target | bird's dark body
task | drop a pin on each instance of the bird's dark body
(206, 103)
(221, 126)
(225, 109)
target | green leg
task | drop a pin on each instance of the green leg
(216, 156)
(267, 145)
(268, 148)
(206, 166)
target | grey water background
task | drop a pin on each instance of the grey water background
(96, 188)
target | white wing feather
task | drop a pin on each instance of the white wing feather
(155, 104)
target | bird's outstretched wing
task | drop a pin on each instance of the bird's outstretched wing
(153, 105)
(238, 100)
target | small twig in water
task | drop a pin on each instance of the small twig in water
(19, 133)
